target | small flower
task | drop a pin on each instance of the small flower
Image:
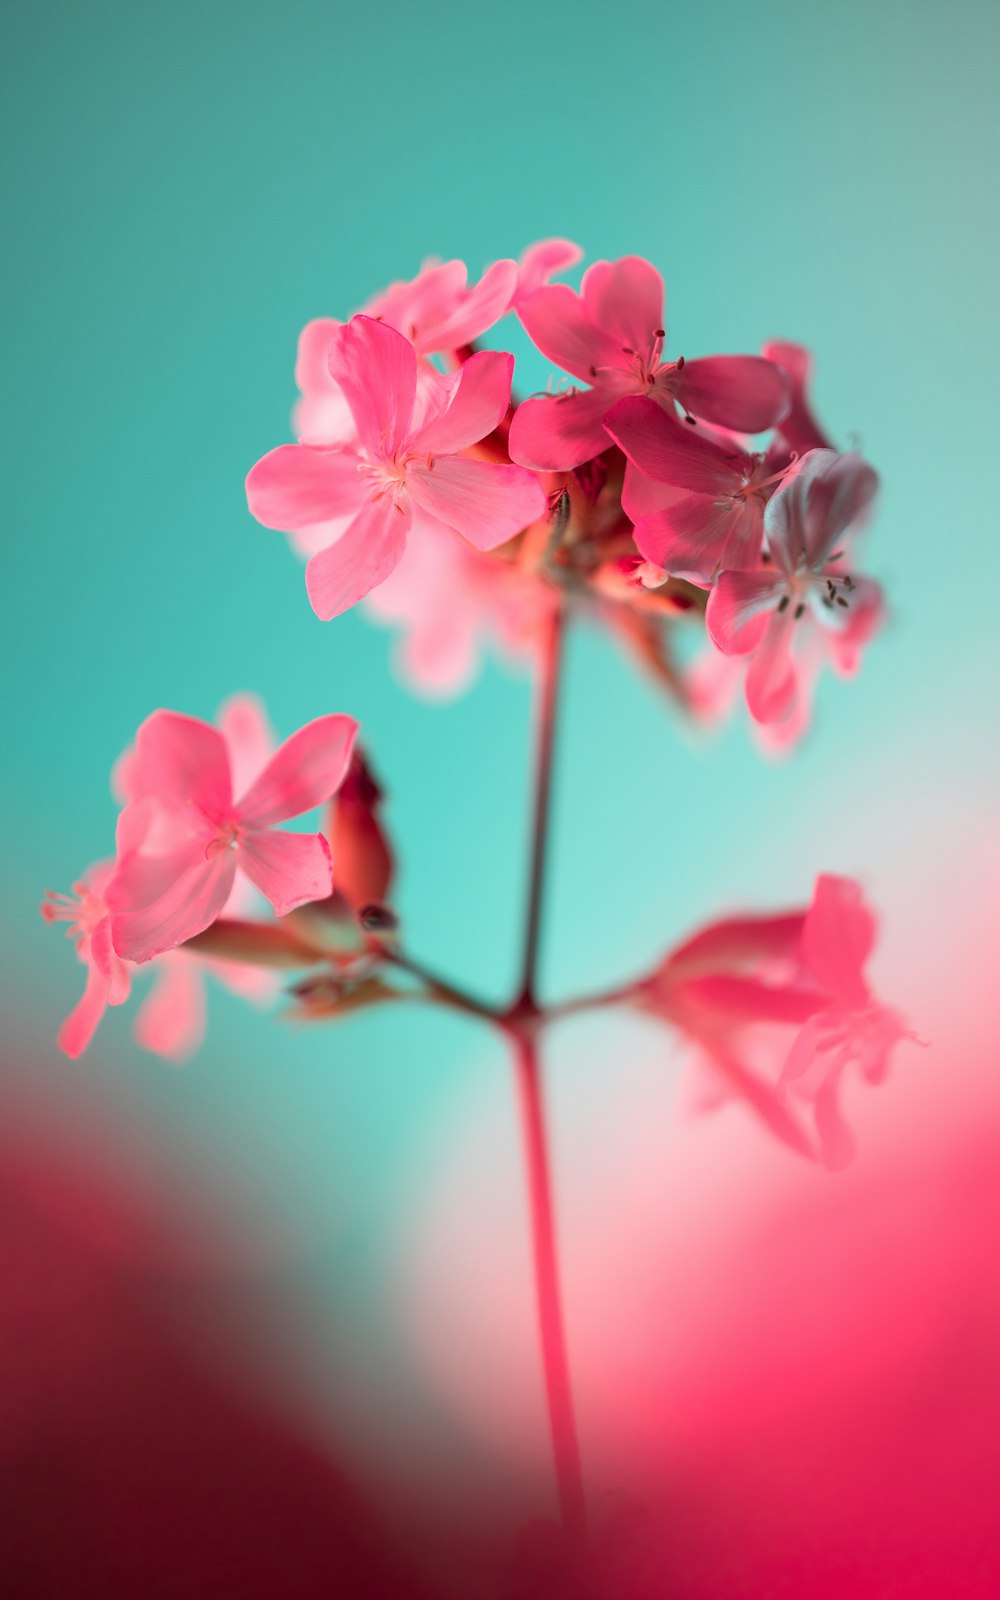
(182, 837)
(407, 459)
(610, 337)
(759, 609)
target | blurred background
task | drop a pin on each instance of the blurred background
(326, 1227)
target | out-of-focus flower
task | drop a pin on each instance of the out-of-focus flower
(402, 460)
(440, 310)
(756, 609)
(719, 520)
(182, 836)
(541, 262)
(363, 857)
(610, 336)
(798, 427)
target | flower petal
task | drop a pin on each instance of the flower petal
(171, 1020)
(838, 937)
(742, 392)
(244, 726)
(289, 869)
(478, 308)
(377, 369)
(736, 614)
(82, 1023)
(194, 899)
(671, 451)
(181, 761)
(342, 574)
(541, 261)
(772, 685)
(479, 401)
(824, 496)
(298, 485)
(559, 324)
(555, 433)
(799, 428)
(625, 298)
(486, 503)
(306, 771)
(694, 537)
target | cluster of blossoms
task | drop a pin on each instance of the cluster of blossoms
(636, 493)
(417, 482)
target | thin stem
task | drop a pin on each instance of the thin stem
(552, 1335)
(548, 691)
(460, 998)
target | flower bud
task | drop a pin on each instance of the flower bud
(363, 863)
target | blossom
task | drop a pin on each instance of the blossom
(406, 458)
(439, 310)
(610, 337)
(182, 836)
(108, 981)
(718, 521)
(850, 1027)
(758, 609)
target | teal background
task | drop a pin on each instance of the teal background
(185, 185)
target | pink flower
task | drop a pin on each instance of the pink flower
(610, 336)
(718, 518)
(850, 1028)
(108, 979)
(401, 462)
(798, 428)
(759, 609)
(182, 836)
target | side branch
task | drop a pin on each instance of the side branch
(548, 693)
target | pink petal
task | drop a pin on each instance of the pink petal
(558, 322)
(182, 761)
(477, 309)
(140, 879)
(297, 485)
(248, 734)
(377, 369)
(341, 575)
(542, 261)
(736, 614)
(289, 869)
(312, 364)
(193, 900)
(625, 298)
(734, 1000)
(672, 451)
(479, 400)
(306, 771)
(80, 1026)
(771, 686)
(736, 942)
(742, 392)
(322, 416)
(485, 503)
(838, 938)
(171, 1020)
(642, 496)
(109, 964)
(417, 306)
(799, 427)
(865, 616)
(555, 433)
(824, 496)
(695, 536)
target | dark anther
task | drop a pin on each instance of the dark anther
(680, 363)
(783, 603)
(689, 418)
(799, 609)
(627, 350)
(593, 372)
(841, 601)
(659, 333)
(848, 582)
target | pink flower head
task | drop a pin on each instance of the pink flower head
(849, 1028)
(717, 520)
(440, 310)
(108, 980)
(758, 610)
(401, 463)
(610, 336)
(182, 837)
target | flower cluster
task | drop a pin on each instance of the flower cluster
(641, 493)
(419, 482)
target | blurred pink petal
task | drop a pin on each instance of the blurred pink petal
(304, 772)
(289, 869)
